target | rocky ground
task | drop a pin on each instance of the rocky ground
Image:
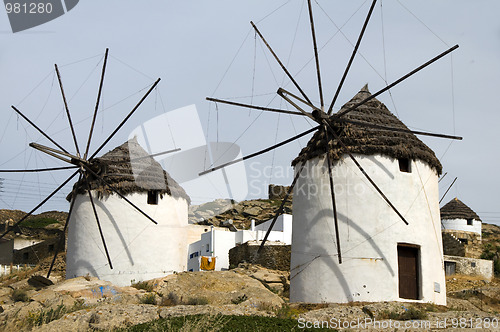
(87, 303)
(220, 210)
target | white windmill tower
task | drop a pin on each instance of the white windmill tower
(318, 234)
(113, 199)
(139, 250)
(375, 255)
(457, 216)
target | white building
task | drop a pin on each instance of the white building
(139, 249)
(456, 216)
(383, 259)
(219, 240)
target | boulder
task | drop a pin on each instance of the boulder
(215, 287)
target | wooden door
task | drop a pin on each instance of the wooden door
(449, 268)
(408, 272)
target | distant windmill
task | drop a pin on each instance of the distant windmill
(340, 142)
(90, 170)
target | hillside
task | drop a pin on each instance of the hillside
(213, 300)
(248, 295)
(218, 211)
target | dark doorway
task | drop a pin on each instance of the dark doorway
(153, 197)
(408, 272)
(404, 165)
(450, 268)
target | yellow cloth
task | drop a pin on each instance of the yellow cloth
(207, 263)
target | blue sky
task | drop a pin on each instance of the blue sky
(201, 48)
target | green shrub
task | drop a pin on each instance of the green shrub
(287, 312)
(148, 299)
(19, 295)
(143, 285)
(46, 316)
(197, 301)
(170, 300)
(38, 222)
(221, 323)
(490, 253)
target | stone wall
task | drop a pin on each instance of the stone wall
(33, 254)
(471, 244)
(471, 266)
(273, 256)
(452, 246)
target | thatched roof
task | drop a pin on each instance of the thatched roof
(369, 141)
(455, 209)
(129, 168)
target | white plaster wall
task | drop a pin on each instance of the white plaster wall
(483, 267)
(244, 236)
(461, 225)
(223, 242)
(139, 249)
(369, 231)
(194, 262)
(194, 232)
(283, 224)
(24, 243)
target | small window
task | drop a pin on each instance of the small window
(473, 264)
(404, 165)
(208, 248)
(469, 222)
(153, 197)
(51, 247)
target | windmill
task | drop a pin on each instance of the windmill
(89, 169)
(331, 149)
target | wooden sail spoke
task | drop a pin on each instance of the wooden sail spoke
(354, 52)
(60, 244)
(97, 103)
(58, 154)
(40, 204)
(260, 152)
(38, 129)
(316, 56)
(442, 177)
(155, 154)
(280, 209)
(35, 170)
(97, 220)
(332, 193)
(281, 63)
(451, 185)
(284, 94)
(330, 129)
(403, 130)
(126, 119)
(451, 49)
(260, 108)
(110, 186)
(67, 111)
